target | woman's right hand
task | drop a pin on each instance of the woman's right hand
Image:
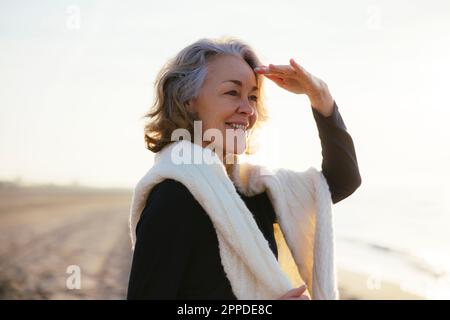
(296, 294)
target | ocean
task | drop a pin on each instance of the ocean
(397, 234)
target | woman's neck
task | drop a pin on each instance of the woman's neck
(229, 161)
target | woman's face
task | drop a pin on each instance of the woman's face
(228, 98)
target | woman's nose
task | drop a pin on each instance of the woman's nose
(246, 107)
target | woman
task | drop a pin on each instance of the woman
(184, 248)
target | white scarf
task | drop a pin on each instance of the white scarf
(302, 203)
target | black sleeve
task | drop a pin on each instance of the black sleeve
(339, 163)
(164, 241)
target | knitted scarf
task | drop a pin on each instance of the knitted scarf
(302, 203)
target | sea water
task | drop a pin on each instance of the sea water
(397, 234)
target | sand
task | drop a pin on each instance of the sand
(43, 231)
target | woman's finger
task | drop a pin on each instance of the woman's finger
(284, 69)
(261, 69)
(298, 291)
(293, 293)
(272, 69)
(266, 70)
(279, 81)
(298, 68)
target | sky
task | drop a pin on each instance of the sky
(76, 77)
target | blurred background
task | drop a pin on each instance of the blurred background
(76, 77)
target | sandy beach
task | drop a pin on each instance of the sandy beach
(45, 230)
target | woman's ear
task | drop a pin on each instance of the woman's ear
(190, 106)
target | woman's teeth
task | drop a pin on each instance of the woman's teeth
(237, 126)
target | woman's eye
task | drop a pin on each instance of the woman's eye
(234, 92)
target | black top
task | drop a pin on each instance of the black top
(177, 251)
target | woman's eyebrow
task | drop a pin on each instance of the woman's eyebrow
(239, 83)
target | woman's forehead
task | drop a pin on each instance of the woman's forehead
(225, 68)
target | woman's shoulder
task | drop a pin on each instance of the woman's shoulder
(172, 201)
(171, 193)
(170, 189)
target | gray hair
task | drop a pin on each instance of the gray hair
(181, 79)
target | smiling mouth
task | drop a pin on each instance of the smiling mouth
(236, 126)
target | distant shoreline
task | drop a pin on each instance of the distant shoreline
(8, 185)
